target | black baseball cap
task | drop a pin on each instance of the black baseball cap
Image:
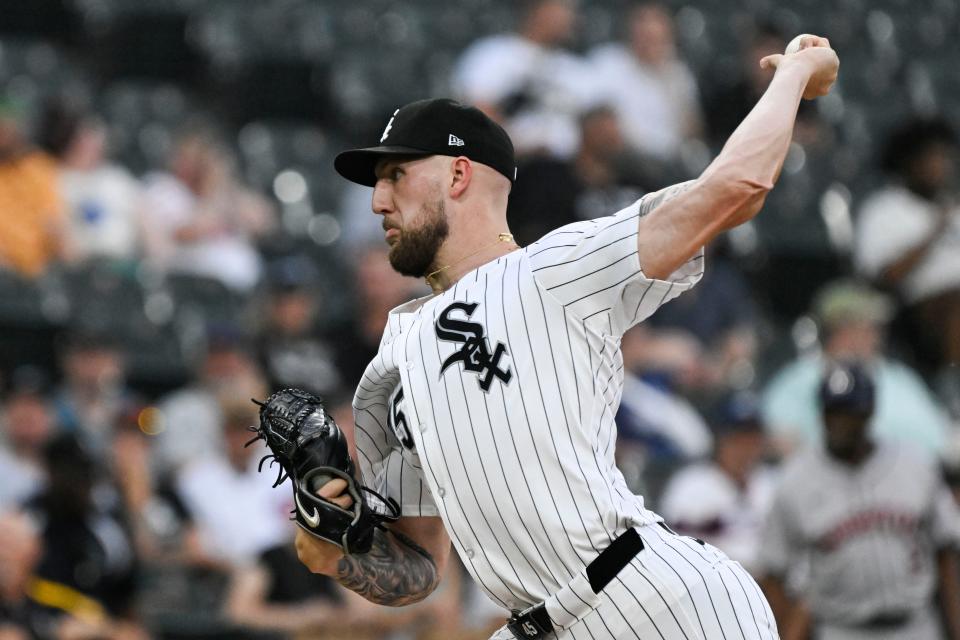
(433, 127)
(847, 387)
(736, 412)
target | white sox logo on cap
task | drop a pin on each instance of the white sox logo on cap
(386, 131)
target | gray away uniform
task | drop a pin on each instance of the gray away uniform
(869, 534)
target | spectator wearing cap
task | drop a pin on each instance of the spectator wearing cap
(855, 515)
(289, 347)
(908, 236)
(853, 318)
(27, 423)
(32, 222)
(724, 501)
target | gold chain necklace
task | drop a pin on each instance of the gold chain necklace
(501, 237)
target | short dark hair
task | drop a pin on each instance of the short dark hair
(88, 339)
(912, 139)
(767, 29)
(527, 6)
(60, 121)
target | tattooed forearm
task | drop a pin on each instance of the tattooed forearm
(395, 572)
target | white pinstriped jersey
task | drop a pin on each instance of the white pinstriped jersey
(492, 404)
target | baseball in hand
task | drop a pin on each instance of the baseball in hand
(794, 45)
(817, 58)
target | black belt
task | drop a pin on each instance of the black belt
(882, 621)
(534, 622)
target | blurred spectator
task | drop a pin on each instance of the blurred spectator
(874, 523)
(721, 319)
(724, 501)
(705, 345)
(93, 390)
(88, 568)
(377, 289)
(599, 180)
(201, 220)
(103, 200)
(657, 430)
(163, 532)
(651, 89)
(853, 319)
(32, 222)
(731, 96)
(20, 617)
(359, 226)
(278, 595)
(908, 235)
(289, 347)
(28, 423)
(528, 82)
(238, 514)
(191, 418)
(667, 424)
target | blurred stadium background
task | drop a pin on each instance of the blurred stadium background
(186, 244)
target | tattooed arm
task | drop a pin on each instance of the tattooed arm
(402, 567)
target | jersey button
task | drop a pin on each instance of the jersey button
(442, 492)
(409, 365)
(470, 553)
(423, 427)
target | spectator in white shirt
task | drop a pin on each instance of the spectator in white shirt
(652, 90)
(103, 200)
(202, 220)
(908, 235)
(725, 500)
(527, 82)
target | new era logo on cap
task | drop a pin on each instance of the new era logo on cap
(454, 141)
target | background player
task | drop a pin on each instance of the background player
(501, 387)
(875, 523)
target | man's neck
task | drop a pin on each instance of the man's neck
(446, 275)
(858, 456)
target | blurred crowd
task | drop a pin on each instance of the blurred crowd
(166, 298)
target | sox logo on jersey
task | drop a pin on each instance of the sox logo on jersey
(475, 353)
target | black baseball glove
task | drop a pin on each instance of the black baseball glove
(312, 450)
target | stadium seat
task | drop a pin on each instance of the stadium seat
(205, 297)
(151, 44)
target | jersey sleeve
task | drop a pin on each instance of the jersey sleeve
(779, 544)
(945, 519)
(385, 465)
(593, 267)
